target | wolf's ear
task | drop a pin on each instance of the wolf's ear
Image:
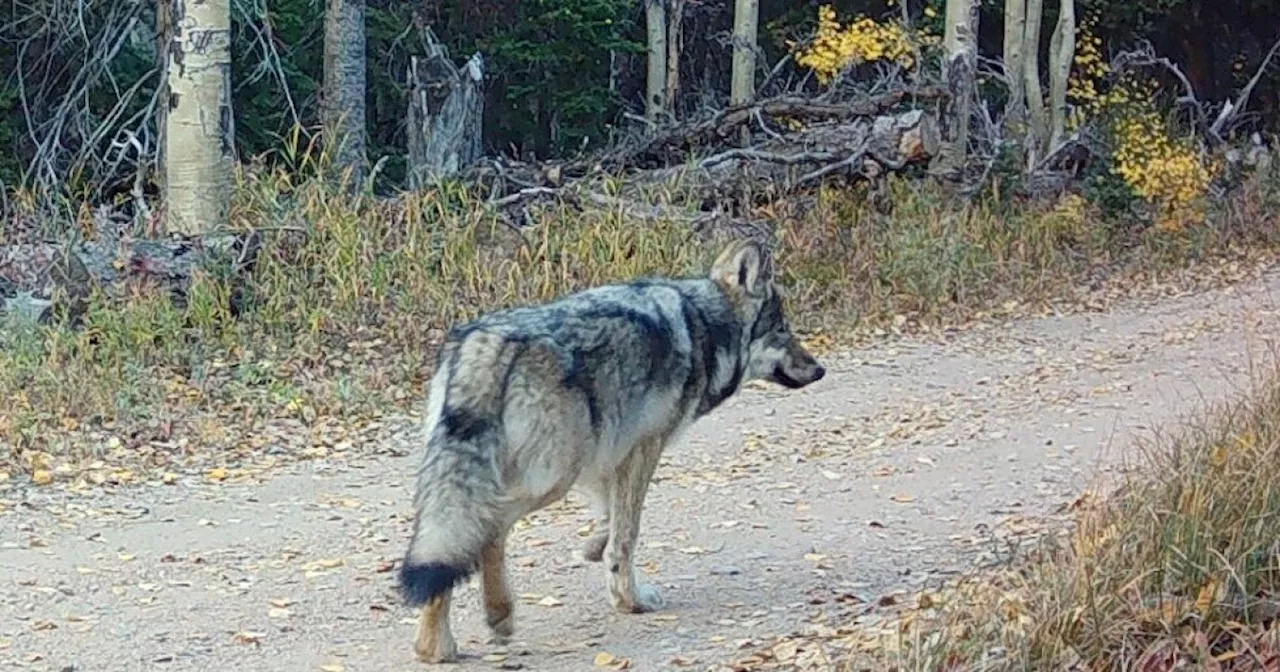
(743, 264)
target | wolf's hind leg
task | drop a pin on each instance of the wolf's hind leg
(499, 610)
(435, 643)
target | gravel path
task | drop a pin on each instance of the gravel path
(779, 509)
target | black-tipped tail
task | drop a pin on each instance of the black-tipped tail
(419, 584)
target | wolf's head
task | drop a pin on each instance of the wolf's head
(773, 352)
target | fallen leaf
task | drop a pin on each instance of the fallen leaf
(332, 667)
(903, 498)
(218, 474)
(550, 601)
(606, 659)
(785, 651)
(42, 477)
(248, 637)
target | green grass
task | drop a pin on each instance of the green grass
(350, 295)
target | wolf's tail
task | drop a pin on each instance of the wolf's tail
(457, 512)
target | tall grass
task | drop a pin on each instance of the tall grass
(350, 293)
(1178, 570)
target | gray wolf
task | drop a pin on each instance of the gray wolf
(585, 391)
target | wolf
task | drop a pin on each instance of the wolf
(583, 392)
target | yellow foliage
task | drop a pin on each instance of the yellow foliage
(865, 40)
(1166, 172)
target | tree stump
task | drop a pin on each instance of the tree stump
(446, 114)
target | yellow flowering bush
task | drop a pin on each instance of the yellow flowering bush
(1165, 171)
(865, 40)
(1088, 71)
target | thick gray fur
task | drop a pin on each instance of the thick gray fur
(585, 391)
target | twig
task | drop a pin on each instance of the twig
(771, 157)
(858, 155)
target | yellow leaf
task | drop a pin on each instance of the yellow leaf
(218, 474)
(902, 498)
(41, 477)
(606, 659)
(1206, 597)
(332, 667)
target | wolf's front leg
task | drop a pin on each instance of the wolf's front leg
(599, 493)
(498, 605)
(626, 503)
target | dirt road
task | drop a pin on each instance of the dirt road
(779, 508)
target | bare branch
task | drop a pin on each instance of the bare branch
(1232, 111)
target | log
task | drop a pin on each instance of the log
(674, 145)
(35, 277)
(445, 115)
(860, 149)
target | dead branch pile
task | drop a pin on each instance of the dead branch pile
(765, 150)
(724, 164)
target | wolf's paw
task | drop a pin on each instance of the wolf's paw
(647, 598)
(501, 627)
(432, 650)
(593, 549)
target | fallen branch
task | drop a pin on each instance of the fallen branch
(675, 144)
(36, 275)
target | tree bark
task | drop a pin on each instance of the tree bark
(655, 14)
(199, 134)
(1034, 92)
(445, 115)
(675, 45)
(961, 47)
(343, 101)
(1062, 51)
(1015, 28)
(746, 19)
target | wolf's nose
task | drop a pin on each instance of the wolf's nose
(817, 375)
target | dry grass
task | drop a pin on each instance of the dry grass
(1179, 569)
(339, 322)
